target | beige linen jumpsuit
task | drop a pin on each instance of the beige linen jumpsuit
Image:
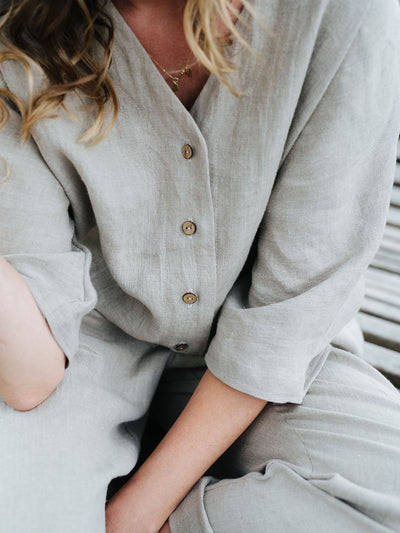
(285, 192)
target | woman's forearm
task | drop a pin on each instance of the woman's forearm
(31, 362)
(212, 420)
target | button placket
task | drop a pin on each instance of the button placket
(189, 228)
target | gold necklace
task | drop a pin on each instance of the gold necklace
(186, 71)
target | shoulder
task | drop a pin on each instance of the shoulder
(330, 13)
(330, 23)
(373, 20)
(307, 42)
(335, 51)
(18, 72)
(337, 13)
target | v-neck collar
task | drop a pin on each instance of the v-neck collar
(124, 35)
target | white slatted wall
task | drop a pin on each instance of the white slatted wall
(380, 314)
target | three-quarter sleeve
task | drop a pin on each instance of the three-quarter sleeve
(321, 228)
(37, 238)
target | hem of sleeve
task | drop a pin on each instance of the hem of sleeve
(56, 320)
(190, 515)
(274, 389)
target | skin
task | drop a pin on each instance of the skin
(158, 26)
(31, 362)
(212, 420)
(216, 415)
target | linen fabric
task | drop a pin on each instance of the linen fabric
(57, 460)
(330, 464)
(288, 186)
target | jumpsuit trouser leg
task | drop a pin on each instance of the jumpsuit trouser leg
(330, 464)
(57, 460)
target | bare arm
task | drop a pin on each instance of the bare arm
(31, 362)
(215, 416)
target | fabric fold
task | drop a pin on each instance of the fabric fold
(37, 237)
(322, 227)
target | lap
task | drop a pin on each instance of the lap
(349, 405)
(349, 418)
(342, 443)
(57, 460)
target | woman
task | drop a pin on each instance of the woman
(194, 256)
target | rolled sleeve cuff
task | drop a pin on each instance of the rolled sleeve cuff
(274, 352)
(252, 373)
(61, 287)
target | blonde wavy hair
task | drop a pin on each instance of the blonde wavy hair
(56, 40)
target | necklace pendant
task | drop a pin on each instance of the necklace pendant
(175, 81)
(186, 71)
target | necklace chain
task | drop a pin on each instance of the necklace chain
(186, 71)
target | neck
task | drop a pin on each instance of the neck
(144, 5)
(152, 10)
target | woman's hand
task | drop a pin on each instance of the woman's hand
(212, 420)
(116, 519)
(125, 514)
(120, 519)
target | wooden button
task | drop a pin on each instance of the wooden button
(189, 227)
(180, 347)
(187, 151)
(189, 298)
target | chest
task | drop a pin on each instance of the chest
(161, 36)
(159, 30)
